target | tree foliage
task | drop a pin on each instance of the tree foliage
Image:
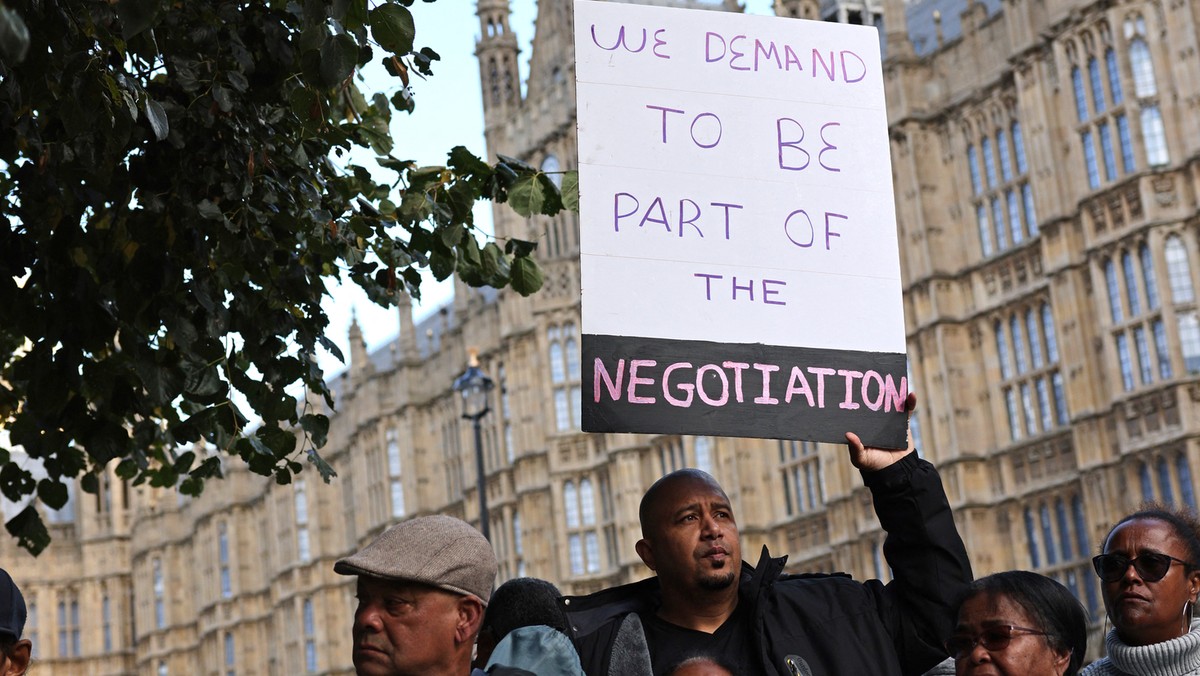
(178, 193)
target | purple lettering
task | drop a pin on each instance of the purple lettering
(770, 52)
(846, 71)
(662, 215)
(748, 287)
(620, 41)
(830, 68)
(727, 207)
(828, 146)
(794, 145)
(789, 57)
(696, 140)
(708, 47)
(787, 225)
(734, 54)
(828, 232)
(659, 42)
(683, 387)
(617, 215)
(664, 117)
(634, 381)
(769, 292)
(708, 283)
(689, 221)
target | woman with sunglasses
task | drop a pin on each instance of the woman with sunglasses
(1150, 580)
(1018, 623)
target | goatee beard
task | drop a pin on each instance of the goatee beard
(717, 583)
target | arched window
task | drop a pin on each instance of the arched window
(1184, 470)
(1035, 339)
(985, 230)
(1148, 277)
(1089, 159)
(989, 161)
(1160, 349)
(557, 373)
(1142, 66)
(1144, 480)
(572, 349)
(998, 219)
(973, 165)
(1127, 162)
(1035, 559)
(571, 504)
(552, 168)
(1048, 536)
(1114, 76)
(1014, 217)
(1081, 111)
(1189, 341)
(1097, 83)
(1081, 530)
(1030, 211)
(1064, 529)
(703, 449)
(1002, 351)
(1155, 137)
(1019, 148)
(1131, 290)
(1142, 345)
(1125, 361)
(1114, 291)
(1179, 272)
(1018, 344)
(1006, 171)
(587, 503)
(1165, 489)
(1048, 329)
(1106, 151)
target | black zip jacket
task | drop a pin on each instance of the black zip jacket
(820, 625)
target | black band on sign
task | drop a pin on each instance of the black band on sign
(658, 386)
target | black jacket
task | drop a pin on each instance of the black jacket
(829, 623)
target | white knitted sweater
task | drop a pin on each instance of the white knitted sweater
(1177, 657)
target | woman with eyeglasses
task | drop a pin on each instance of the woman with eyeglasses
(1150, 580)
(1018, 623)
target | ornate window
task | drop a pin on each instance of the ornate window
(1003, 198)
(583, 540)
(1032, 386)
(394, 472)
(223, 560)
(702, 446)
(803, 478)
(310, 636)
(564, 375)
(1145, 88)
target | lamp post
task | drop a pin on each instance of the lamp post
(475, 386)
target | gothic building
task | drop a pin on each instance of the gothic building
(1046, 164)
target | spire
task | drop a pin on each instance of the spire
(408, 332)
(358, 346)
(497, 52)
(895, 31)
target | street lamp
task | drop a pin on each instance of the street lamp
(475, 386)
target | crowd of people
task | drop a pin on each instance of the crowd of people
(426, 604)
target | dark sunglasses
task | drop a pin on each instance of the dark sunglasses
(1150, 566)
(993, 639)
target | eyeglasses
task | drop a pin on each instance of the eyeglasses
(1150, 566)
(993, 639)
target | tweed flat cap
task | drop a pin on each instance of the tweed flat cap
(440, 551)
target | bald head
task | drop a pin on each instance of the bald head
(650, 512)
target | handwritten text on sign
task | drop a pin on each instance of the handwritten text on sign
(735, 167)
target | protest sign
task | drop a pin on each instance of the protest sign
(739, 258)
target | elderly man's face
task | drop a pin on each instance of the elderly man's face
(403, 628)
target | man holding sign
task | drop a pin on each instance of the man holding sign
(706, 601)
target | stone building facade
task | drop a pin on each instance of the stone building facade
(1046, 163)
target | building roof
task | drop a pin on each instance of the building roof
(922, 28)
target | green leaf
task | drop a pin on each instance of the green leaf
(29, 530)
(570, 190)
(526, 276)
(158, 119)
(136, 15)
(317, 428)
(393, 28)
(323, 468)
(527, 195)
(14, 36)
(53, 493)
(339, 56)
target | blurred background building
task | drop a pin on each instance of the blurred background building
(1046, 160)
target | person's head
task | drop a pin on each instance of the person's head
(520, 602)
(689, 534)
(1149, 574)
(14, 650)
(701, 666)
(422, 588)
(1018, 623)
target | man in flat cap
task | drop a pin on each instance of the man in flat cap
(422, 588)
(14, 650)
